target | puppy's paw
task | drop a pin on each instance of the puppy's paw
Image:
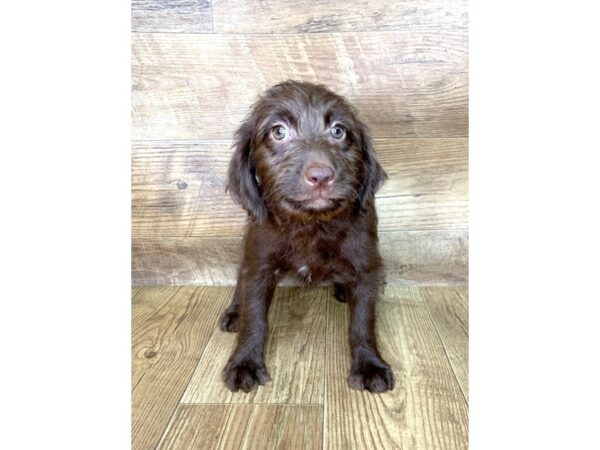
(229, 321)
(245, 375)
(374, 375)
(338, 293)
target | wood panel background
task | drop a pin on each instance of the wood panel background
(197, 66)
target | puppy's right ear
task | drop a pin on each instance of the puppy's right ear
(242, 183)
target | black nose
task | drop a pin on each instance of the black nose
(319, 175)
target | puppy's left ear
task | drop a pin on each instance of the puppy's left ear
(242, 183)
(373, 174)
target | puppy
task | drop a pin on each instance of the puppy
(304, 169)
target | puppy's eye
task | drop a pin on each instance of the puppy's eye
(279, 132)
(337, 132)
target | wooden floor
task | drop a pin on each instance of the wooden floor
(179, 401)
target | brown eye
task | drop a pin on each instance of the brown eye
(279, 132)
(337, 132)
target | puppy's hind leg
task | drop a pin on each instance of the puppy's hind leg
(339, 292)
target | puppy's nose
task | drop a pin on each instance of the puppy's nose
(319, 175)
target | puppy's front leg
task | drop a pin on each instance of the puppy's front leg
(246, 365)
(368, 370)
(229, 319)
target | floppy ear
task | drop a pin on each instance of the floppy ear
(373, 174)
(242, 183)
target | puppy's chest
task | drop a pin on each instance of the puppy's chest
(316, 260)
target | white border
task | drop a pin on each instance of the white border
(534, 225)
(65, 183)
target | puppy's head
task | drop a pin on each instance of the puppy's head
(303, 151)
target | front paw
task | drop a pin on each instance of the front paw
(229, 320)
(372, 374)
(245, 374)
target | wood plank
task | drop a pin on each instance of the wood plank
(179, 261)
(422, 212)
(410, 258)
(156, 215)
(294, 355)
(190, 16)
(425, 410)
(308, 16)
(425, 258)
(170, 328)
(449, 309)
(178, 188)
(245, 427)
(418, 167)
(409, 83)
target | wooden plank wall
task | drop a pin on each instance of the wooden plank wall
(197, 66)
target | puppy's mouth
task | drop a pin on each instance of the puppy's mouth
(318, 204)
(315, 203)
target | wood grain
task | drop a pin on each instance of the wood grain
(192, 16)
(425, 257)
(425, 410)
(170, 327)
(308, 16)
(178, 188)
(449, 309)
(409, 83)
(422, 212)
(417, 167)
(410, 258)
(179, 261)
(294, 355)
(245, 427)
(308, 403)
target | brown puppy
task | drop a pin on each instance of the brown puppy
(305, 170)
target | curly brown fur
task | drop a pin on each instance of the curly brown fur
(305, 171)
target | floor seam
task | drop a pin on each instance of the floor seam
(325, 368)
